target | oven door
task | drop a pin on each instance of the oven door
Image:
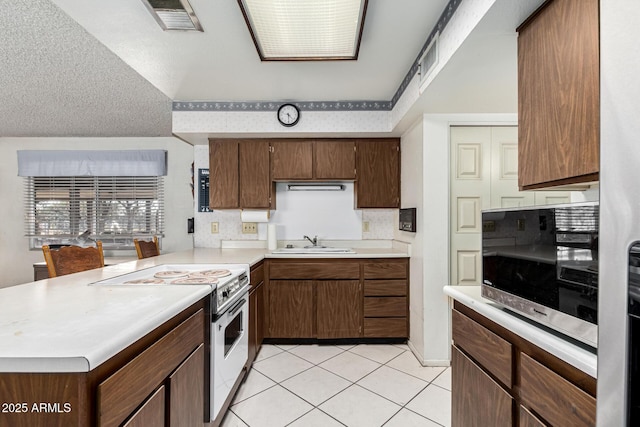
(230, 349)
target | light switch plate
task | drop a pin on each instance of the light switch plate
(365, 226)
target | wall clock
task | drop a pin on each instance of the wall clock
(288, 115)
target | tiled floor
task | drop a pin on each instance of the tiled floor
(325, 386)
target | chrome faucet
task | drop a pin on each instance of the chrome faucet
(314, 241)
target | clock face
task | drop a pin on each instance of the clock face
(288, 114)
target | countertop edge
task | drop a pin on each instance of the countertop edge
(576, 356)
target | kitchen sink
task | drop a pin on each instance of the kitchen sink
(314, 250)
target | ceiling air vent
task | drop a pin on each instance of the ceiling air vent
(428, 60)
(174, 15)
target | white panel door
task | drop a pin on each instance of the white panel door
(470, 194)
(504, 170)
(484, 175)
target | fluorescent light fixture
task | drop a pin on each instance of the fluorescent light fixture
(174, 15)
(315, 187)
(305, 30)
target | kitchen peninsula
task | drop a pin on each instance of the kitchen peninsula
(73, 353)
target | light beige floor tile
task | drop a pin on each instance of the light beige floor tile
(316, 385)
(434, 403)
(402, 347)
(315, 418)
(357, 407)
(316, 353)
(406, 418)
(346, 346)
(267, 351)
(381, 353)
(281, 366)
(350, 366)
(232, 420)
(272, 408)
(392, 384)
(444, 379)
(287, 347)
(408, 364)
(253, 384)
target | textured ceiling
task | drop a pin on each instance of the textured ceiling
(58, 80)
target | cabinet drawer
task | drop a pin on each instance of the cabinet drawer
(556, 400)
(381, 327)
(385, 270)
(314, 270)
(151, 413)
(385, 307)
(487, 348)
(121, 393)
(381, 288)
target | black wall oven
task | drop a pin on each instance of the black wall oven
(542, 262)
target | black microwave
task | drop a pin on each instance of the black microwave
(542, 262)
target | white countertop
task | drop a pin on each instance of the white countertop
(581, 357)
(64, 324)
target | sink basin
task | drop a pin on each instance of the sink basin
(313, 250)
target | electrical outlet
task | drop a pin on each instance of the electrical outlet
(214, 228)
(520, 224)
(365, 226)
(249, 228)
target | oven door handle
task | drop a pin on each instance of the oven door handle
(237, 307)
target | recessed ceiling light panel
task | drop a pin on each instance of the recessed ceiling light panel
(174, 15)
(293, 30)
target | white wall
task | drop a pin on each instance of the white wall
(329, 215)
(16, 260)
(412, 188)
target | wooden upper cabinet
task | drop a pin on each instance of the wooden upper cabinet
(255, 184)
(558, 95)
(291, 160)
(224, 181)
(378, 169)
(239, 174)
(335, 159)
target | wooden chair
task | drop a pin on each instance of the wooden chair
(72, 259)
(146, 249)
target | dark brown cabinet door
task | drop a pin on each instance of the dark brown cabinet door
(291, 309)
(223, 174)
(476, 400)
(291, 160)
(527, 419)
(378, 169)
(335, 159)
(254, 179)
(151, 413)
(186, 391)
(339, 308)
(256, 312)
(558, 95)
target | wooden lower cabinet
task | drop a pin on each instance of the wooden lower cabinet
(158, 380)
(476, 399)
(186, 391)
(291, 309)
(151, 413)
(491, 363)
(339, 308)
(330, 299)
(256, 312)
